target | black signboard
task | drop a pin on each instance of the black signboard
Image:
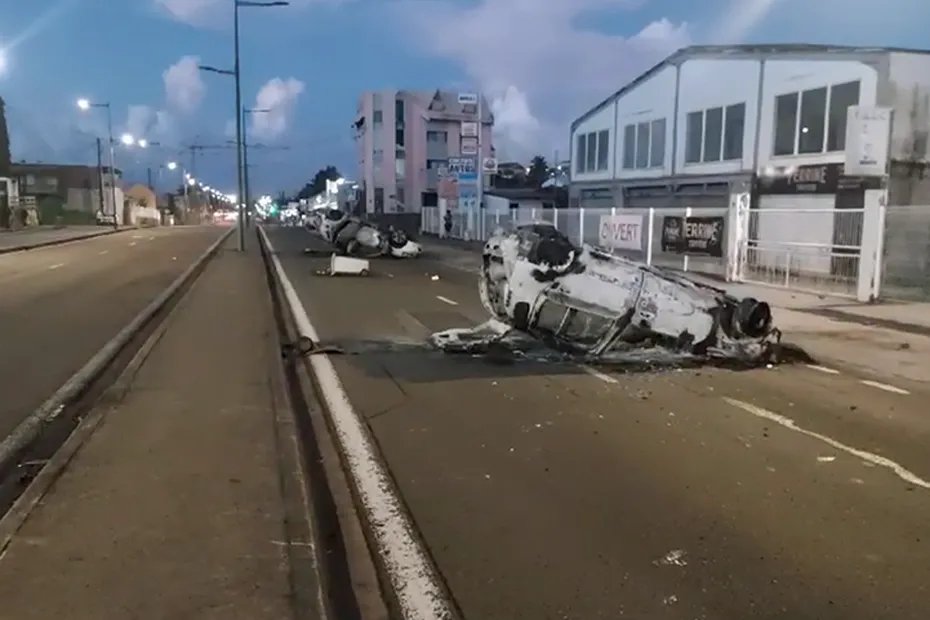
(693, 235)
(818, 179)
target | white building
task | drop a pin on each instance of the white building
(710, 119)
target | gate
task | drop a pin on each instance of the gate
(809, 249)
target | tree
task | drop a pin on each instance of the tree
(538, 173)
(318, 184)
(5, 158)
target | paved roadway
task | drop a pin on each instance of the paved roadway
(45, 234)
(60, 304)
(554, 492)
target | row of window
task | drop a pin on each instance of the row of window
(715, 134)
(808, 122)
(813, 121)
(592, 151)
(644, 145)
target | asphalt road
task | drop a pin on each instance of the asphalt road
(45, 234)
(553, 491)
(59, 305)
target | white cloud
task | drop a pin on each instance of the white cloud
(536, 64)
(146, 122)
(279, 97)
(184, 86)
(213, 13)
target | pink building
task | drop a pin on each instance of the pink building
(404, 138)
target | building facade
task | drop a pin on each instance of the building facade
(405, 139)
(708, 120)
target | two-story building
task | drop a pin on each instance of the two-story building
(405, 139)
(709, 120)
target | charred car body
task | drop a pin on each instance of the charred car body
(353, 236)
(597, 306)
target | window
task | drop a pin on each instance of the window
(841, 97)
(435, 164)
(377, 116)
(429, 199)
(379, 200)
(642, 145)
(694, 137)
(377, 156)
(399, 112)
(629, 147)
(734, 127)
(813, 114)
(399, 137)
(603, 149)
(813, 121)
(713, 134)
(591, 156)
(437, 136)
(786, 123)
(657, 147)
(581, 150)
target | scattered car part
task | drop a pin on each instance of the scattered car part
(602, 308)
(348, 266)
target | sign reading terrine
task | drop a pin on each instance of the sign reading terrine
(693, 235)
(621, 232)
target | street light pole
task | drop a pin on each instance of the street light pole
(112, 163)
(237, 72)
(245, 156)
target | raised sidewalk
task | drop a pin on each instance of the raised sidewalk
(175, 507)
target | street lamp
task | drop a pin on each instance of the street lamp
(127, 139)
(85, 105)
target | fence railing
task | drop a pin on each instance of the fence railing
(584, 226)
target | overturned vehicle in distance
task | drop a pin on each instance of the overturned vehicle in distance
(352, 236)
(582, 302)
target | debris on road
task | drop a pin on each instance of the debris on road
(598, 308)
(354, 236)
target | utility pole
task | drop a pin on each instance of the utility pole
(149, 172)
(100, 174)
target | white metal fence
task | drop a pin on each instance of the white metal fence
(584, 226)
(806, 249)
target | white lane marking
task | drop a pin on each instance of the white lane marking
(597, 373)
(57, 266)
(132, 244)
(824, 369)
(869, 457)
(447, 300)
(884, 386)
(417, 589)
(102, 252)
(152, 238)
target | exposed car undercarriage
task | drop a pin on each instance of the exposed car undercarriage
(352, 236)
(597, 307)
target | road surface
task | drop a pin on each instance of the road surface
(31, 236)
(62, 303)
(562, 492)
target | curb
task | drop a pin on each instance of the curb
(30, 428)
(45, 244)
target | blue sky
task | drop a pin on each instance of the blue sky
(542, 62)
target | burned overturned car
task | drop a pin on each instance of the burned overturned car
(353, 236)
(598, 307)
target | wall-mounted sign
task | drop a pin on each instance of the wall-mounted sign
(815, 179)
(693, 235)
(469, 129)
(469, 146)
(489, 165)
(465, 169)
(868, 137)
(468, 98)
(621, 232)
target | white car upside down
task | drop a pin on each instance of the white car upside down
(353, 236)
(598, 307)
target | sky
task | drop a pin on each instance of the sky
(541, 63)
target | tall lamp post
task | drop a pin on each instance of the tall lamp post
(86, 104)
(236, 73)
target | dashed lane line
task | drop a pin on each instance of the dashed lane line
(884, 386)
(447, 300)
(823, 369)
